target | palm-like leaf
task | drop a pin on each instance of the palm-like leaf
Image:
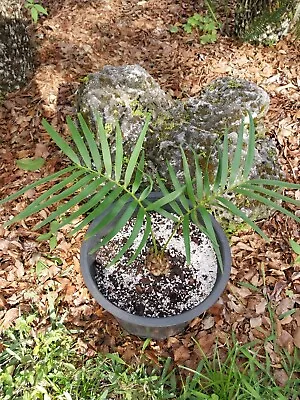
(99, 178)
(96, 179)
(203, 195)
(89, 137)
(105, 149)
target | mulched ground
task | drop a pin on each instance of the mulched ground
(81, 37)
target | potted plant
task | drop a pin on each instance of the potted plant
(155, 235)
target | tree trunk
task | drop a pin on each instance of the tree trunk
(16, 51)
(264, 21)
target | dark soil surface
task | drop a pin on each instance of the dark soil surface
(181, 287)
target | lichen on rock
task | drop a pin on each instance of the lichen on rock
(127, 93)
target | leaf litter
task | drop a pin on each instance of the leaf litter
(76, 39)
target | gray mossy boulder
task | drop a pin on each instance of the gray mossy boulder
(126, 93)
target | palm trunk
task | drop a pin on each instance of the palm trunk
(16, 52)
(264, 20)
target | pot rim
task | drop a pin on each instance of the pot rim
(87, 271)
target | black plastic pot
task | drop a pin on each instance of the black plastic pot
(156, 328)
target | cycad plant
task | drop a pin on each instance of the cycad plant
(98, 177)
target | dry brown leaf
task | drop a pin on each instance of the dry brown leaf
(279, 286)
(216, 309)
(261, 307)
(208, 322)
(206, 342)
(10, 316)
(4, 244)
(152, 355)
(3, 302)
(19, 269)
(281, 377)
(258, 334)
(286, 340)
(194, 322)
(255, 322)
(181, 354)
(296, 316)
(275, 358)
(285, 305)
(287, 320)
(41, 150)
(129, 354)
(172, 341)
(296, 336)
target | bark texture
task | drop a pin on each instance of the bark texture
(264, 21)
(16, 51)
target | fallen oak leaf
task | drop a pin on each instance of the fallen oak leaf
(296, 336)
(286, 341)
(281, 377)
(41, 150)
(255, 322)
(11, 315)
(261, 307)
(181, 354)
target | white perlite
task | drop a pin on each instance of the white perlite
(199, 282)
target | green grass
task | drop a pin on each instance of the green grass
(244, 373)
(48, 366)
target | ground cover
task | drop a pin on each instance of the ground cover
(46, 364)
(78, 38)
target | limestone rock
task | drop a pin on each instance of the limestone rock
(127, 93)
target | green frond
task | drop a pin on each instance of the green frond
(236, 161)
(91, 142)
(105, 148)
(250, 149)
(158, 204)
(206, 184)
(270, 193)
(145, 193)
(177, 185)
(87, 206)
(145, 237)
(198, 177)
(252, 22)
(271, 204)
(186, 238)
(42, 181)
(38, 204)
(86, 191)
(77, 139)
(71, 190)
(275, 183)
(234, 210)
(136, 152)
(134, 233)
(139, 174)
(99, 183)
(173, 204)
(210, 232)
(119, 153)
(61, 143)
(111, 213)
(101, 208)
(120, 223)
(187, 178)
(222, 171)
